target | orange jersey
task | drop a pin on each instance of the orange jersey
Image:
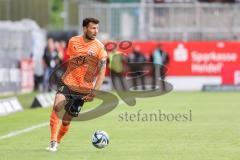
(82, 67)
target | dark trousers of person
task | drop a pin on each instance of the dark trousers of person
(38, 81)
(138, 74)
(158, 71)
(118, 76)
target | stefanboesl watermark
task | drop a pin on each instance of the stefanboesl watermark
(157, 116)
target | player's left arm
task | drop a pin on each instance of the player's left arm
(101, 73)
(99, 79)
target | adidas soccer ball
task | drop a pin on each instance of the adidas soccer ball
(100, 139)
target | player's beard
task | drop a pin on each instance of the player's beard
(89, 37)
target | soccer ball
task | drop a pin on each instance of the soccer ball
(100, 139)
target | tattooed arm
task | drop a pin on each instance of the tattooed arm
(101, 73)
(99, 80)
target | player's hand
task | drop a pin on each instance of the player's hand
(89, 97)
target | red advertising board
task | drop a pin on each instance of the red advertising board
(202, 58)
(231, 74)
(196, 58)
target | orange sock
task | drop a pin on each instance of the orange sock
(53, 125)
(62, 131)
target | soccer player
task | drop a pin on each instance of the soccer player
(85, 73)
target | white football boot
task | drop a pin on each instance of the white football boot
(52, 146)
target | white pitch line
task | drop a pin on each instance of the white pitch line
(29, 129)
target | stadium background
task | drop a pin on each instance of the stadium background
(202, 40)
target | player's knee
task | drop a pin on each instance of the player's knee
(59, 103)
(58, 107)
(66, 123)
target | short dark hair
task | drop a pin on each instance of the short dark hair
(86, 21)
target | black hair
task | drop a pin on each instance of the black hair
(86, 21)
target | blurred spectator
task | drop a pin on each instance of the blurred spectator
(50, 60)
(59, 50)
(160, 59)
(38, 74)
(136, 60)
(116, 66)
(63, 45)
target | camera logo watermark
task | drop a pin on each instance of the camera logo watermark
(109, 100)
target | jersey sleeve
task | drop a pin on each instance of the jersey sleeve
(102, 54)
(70, 48)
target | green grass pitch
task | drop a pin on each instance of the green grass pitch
(212, 133)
